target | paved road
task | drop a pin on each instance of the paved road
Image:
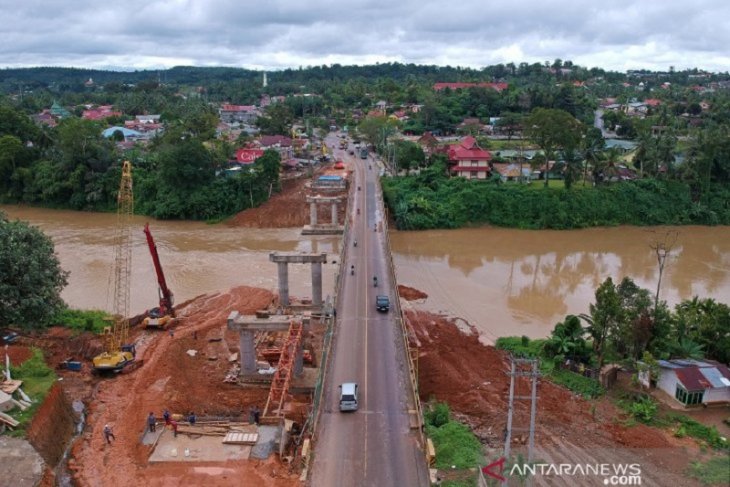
(373, 446)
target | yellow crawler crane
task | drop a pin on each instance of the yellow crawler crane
(117, 354)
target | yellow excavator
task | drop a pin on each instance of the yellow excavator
(117, 353)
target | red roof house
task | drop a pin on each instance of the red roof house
(469, 160)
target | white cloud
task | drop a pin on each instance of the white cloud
(285, 33)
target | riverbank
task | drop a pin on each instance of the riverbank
(456, 368)
(432, 201)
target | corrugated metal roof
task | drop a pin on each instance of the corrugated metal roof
(713, 375)
(692, 379)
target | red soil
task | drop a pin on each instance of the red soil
(455, 368)
(170, 378)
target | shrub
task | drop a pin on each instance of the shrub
(83, 320)
(643, 410)
(585, 386)
(455, 446)
(715, 471)
(438, 414)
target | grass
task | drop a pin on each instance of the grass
(83, 320)
(524, 347)
(585, 386)
(37, 380)
(456, 446)
(689, 427)
(713, 472)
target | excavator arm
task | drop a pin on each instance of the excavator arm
(161, 316)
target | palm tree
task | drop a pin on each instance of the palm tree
(686, 348)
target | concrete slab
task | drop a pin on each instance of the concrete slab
(22, 466)
(265, 444)
(323, 230)
(199, 449)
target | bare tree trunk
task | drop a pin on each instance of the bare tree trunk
(662, 247)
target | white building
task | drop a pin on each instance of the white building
(694, 382)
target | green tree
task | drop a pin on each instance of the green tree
(408, 155)
(31, 278)
(277, 120)
(604, 318)
(552, 130)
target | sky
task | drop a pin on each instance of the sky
(278, 34)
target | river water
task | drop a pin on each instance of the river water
(521, 282)
(503, 281)
(197, 258)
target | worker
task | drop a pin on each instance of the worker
(173, 423)
(108, 434)
(166, 417)
(256, 414)
(151, 421)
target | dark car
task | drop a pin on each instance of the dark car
(7, 337)
(382, 303)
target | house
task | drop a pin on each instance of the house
(58, 111)
(100, 113)
(468, 160)
(280, 143)
(428, 143)
(511, 171)
(129, 134)
(693, 382)
(238, 113)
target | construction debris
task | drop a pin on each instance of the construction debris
(238, 438)
(192, 353)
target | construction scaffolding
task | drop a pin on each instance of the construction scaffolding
(282, 377)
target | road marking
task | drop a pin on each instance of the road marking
(364, 197)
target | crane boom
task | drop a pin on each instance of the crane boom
(166, 298)
(117, 354)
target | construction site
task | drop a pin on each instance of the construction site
(246, 363)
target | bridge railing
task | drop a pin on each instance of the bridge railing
(403, 327)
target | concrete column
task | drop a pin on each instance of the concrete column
(316, 284)
(248, 352)
(283, 283)
(299, 361)
(312, 213)
(334, 213)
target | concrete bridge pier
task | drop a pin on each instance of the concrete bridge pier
(316, 228)
(284, 259)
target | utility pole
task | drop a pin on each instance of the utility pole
(521, 367)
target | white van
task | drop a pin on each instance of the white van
(348, 396)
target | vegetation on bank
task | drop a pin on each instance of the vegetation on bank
(715, 471)
(37, 379)
(456, 446)
(432, 200)
(91, 320)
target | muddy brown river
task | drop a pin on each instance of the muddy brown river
(521, 282)
(197, 258)
(503, 281)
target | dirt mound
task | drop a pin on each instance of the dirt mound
(170, 378)
(410, 294)
(18, 354)
(472, 378)
(52, 426)
(288, 208)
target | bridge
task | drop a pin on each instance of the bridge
(382, 443)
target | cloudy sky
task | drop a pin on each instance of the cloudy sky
(276, 34)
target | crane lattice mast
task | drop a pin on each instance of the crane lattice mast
(122, 260)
